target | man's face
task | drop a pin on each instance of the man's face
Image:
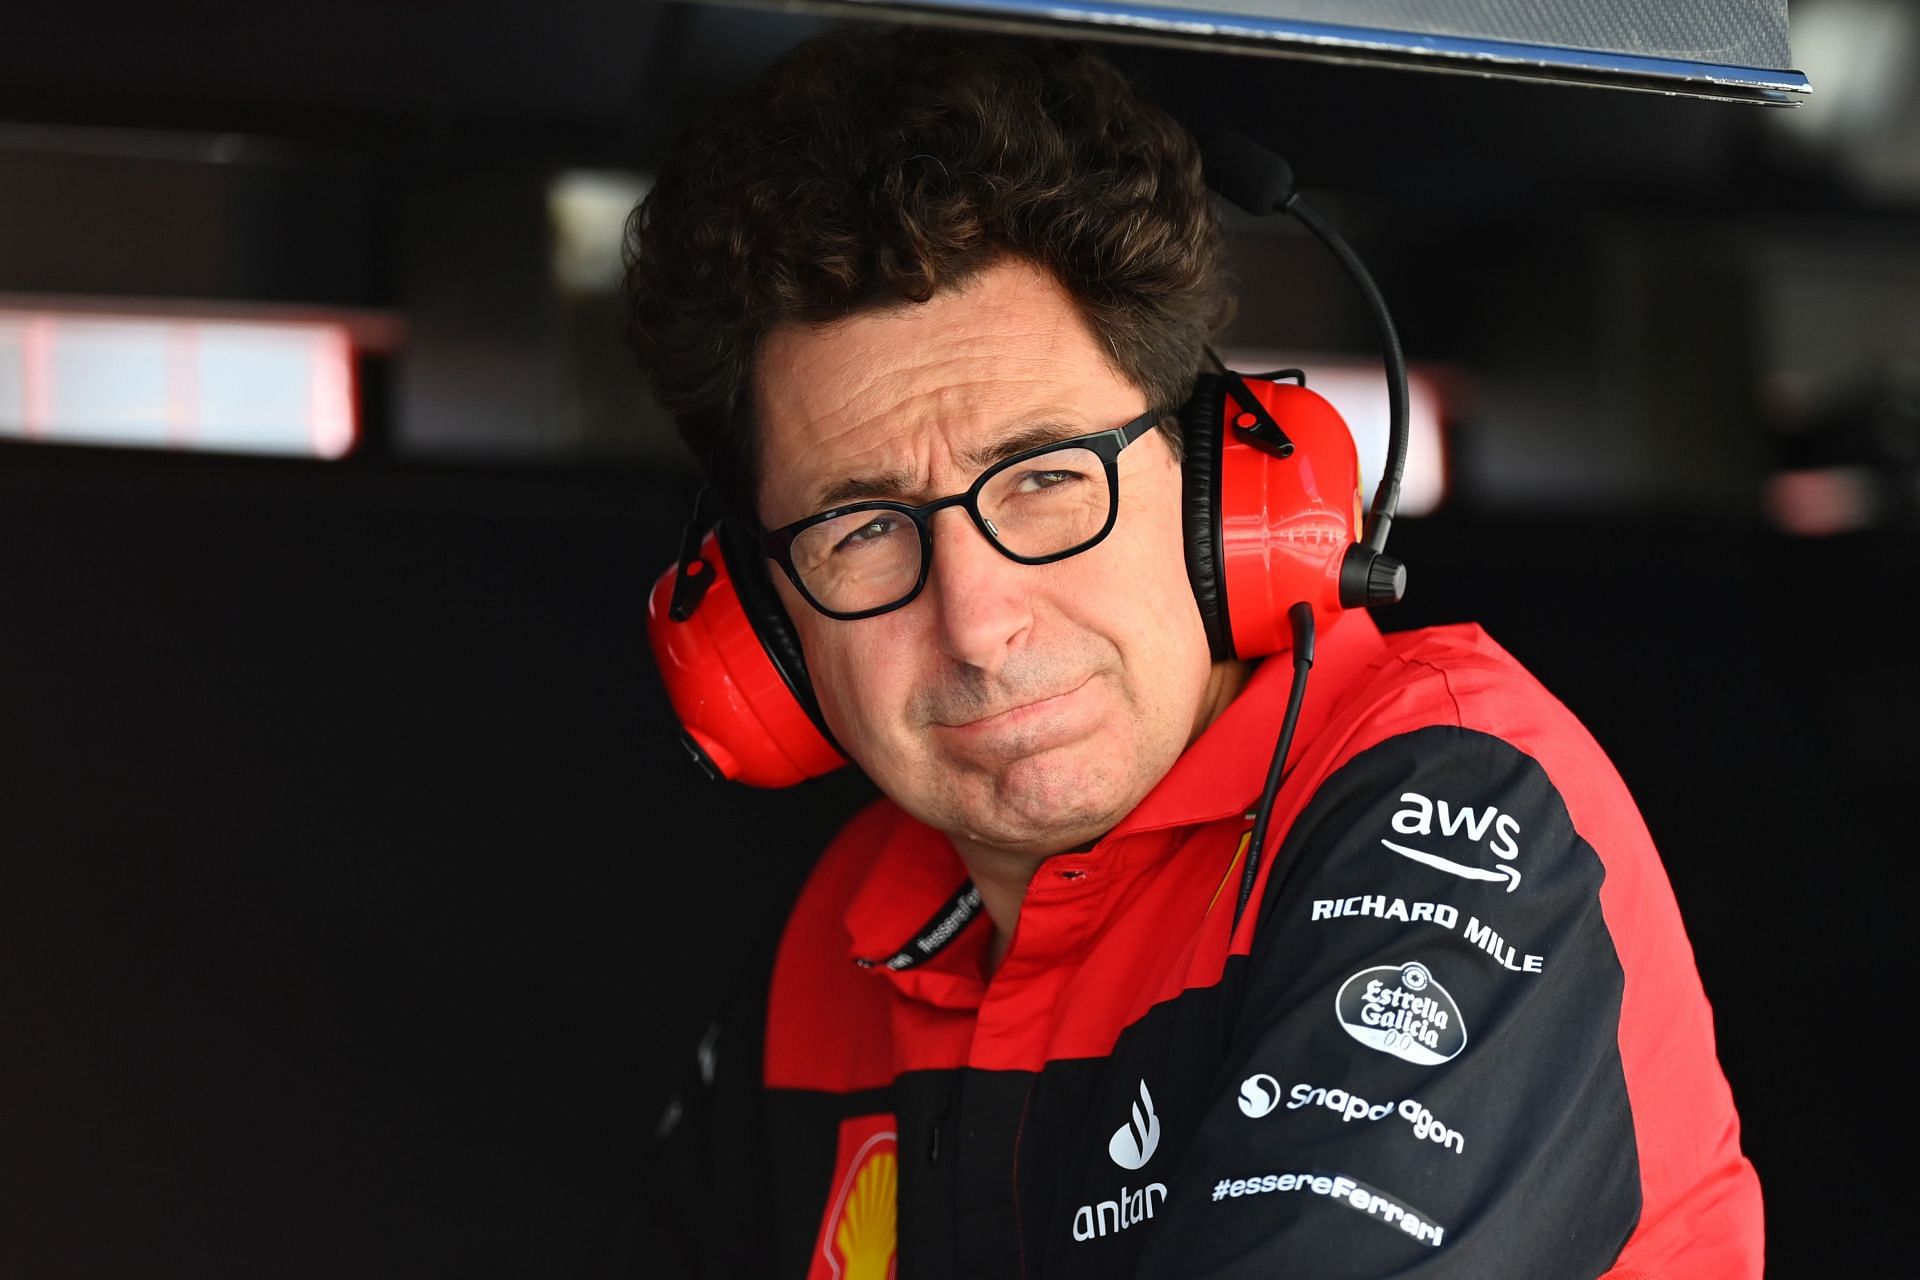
(1023, 707)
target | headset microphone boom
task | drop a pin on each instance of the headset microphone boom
(1262, 183)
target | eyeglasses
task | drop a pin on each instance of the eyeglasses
(1038, 506)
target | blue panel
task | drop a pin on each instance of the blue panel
(1655, 47)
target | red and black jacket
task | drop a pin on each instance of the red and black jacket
(1458, 1033)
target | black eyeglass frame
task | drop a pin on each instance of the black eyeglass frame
(1105, 445)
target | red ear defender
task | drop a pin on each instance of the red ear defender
(739, 713)
(1285, 523)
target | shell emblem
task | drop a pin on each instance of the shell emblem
(860, 1232)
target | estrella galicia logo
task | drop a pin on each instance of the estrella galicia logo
(1259, 1094)
(1134, 1143)
(1402, 1010)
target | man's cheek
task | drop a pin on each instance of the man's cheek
(866, 710)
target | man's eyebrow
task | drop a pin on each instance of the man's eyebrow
(902, 486)
(1019, 440)
(859, 488)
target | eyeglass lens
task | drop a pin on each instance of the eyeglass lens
(1038, 506)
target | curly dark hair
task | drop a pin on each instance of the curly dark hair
(875, 168)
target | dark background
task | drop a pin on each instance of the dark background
(356, 905)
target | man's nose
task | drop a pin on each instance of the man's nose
(981, 601)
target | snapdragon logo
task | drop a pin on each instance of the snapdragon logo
(1351, 1106)
(1259, 1094)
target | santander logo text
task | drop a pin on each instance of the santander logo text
(1131, 1146)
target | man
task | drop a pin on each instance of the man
(1014, 1025)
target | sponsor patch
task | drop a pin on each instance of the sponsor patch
(1404, 1011)
(1377, 906)
(1134, 1143)
(1440, 820)
(1091, 1221)
(1380, 907)
(1130, 1147)
(1350, 1107)
(859, 1234)
(1488, 940)
(1340, 1189)
(1259, 1094)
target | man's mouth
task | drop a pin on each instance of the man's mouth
(1017, 712)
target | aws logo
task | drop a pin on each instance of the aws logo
(1499, 832)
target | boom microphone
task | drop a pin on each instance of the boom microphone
(1247, 173)
(1260, 182)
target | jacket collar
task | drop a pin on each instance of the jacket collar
(1222, 773)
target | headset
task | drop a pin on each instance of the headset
(1275, 542)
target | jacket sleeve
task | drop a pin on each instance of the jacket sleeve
(701, 1211)
(1423, 1076)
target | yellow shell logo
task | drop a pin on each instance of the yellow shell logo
(869, 1218)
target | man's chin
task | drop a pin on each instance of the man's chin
(1052, 801)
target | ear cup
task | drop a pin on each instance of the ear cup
(1200, 420)
(1286, 523)
(735, 674)
(748, 570)
(1263, 532)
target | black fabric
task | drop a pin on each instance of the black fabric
(1200, 420)
(704, 1207)
(984, 1221)
(718, 1184)
(748, 569)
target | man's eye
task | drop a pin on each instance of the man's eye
(872, 531)
(1033, 481)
